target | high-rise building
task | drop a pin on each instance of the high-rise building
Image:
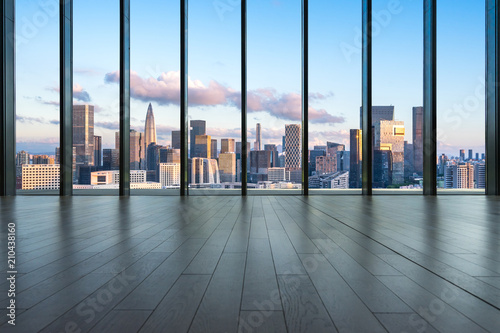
(276, 175)
(470, 154)
(153, 157)
(409, 159)
(477, 156)
(378, 113)
(176, 139)
(260, 161)
(460, 176)
(483, 156)
(98, 151)
(137, 153)
(110, 159)
(169, 174)
(313, 154)
(343, 160)
(293, 144)
(332, 148)
(149, 128)
(389, 135)
(275, 162)
(462, 155)
(228, 146)
(83, 134)
(40, 177)
(22, 157)
(203, 171)
(42, 159)
(227, 167)
(326, 164)
(203, 146)
(443, 159)
(198, 127)
(418, 140)
(480, 175)
(168, 155)
(283, 144)
(213, 149)
(382, 168)
(355, 175)
(258, 138)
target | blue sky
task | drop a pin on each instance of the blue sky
(273, 67)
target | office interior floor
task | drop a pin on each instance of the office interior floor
(254, 264)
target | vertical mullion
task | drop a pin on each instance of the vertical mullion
(244, 152)
(492, 99)
(8, 116)
(430, 123)
(305, 97)
(66, 96)
(124, 97)
(367, 131)
(184, 97)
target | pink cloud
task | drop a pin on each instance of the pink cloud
(166, 90)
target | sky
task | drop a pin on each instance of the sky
(274, 68)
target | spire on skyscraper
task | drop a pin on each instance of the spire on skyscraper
(150, 127)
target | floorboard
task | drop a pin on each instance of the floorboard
(253, 264)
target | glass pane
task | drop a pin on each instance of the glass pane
(274, 96)
(37, 97)
(214, 97)
(335, 95)
(397, 95)
(96, 107)
(154, 111)
(461, 96)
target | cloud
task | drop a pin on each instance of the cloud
(85, 71)
(32, 120)
(110, 125)
(166, 90)
(80, 94)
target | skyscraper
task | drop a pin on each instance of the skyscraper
(98, 151)
(260, 161)
(378, 113)
(258, 138)
(137, 153)
(150, 127)
(213, 149)
(389, 135)
(293, 143)
(418, 140)
(23, 157)
(355, 180)
(198, 127)
(227, 167)
(176, 140)
(462, 155)
(274, 155)
(202, 146)
(169, 174)
(227, 146)
(83, 134)
(471, 154)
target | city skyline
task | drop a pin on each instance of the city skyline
(274, 69)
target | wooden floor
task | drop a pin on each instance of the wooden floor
(255, 264)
